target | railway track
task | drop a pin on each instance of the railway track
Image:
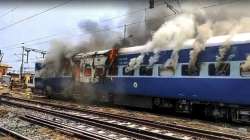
(6, 132)
(76, 132)
(170, 129)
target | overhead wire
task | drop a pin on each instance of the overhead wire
(35, 15)
(8, 12)
(121, 26)
(116, 27)
(102, 21)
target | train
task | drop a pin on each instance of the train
(215, 91)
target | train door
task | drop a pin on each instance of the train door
(99, 66)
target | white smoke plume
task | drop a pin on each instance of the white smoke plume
(243, 25)
(172, 62)
(153, 59)
(172, 35)
(204, 33)
(246, 65)
(135, 63)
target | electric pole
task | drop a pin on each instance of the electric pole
(21, 67)
(151, 4)
(124, 32)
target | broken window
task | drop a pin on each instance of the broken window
(244, 70)
(126, 72)
(222, 69)
(113, 71)
(166, 71)
(147, 71)
(99, 71)
(186, 71)
(87, 72)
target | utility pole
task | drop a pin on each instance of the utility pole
(1, 56)
(124, 31)
(43, 53)
(21, 67)
(151, 4)
(27, 57)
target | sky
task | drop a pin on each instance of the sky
(61, 22)
(38, 23)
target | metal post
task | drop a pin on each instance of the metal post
(21, 68)
(27, 59)
(125, 30)
(43, 53)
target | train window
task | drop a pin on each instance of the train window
(87, 72)
(185, 71)
(166, 71)
(113, 71)
(144, 70)
(244, 70)
(125, 72)
(99, 71)
(222, 69)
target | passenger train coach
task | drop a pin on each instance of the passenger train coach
(223, 93)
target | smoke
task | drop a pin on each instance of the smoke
(204, 33)
(135, 63)
(153, 59)
(157, 32)
(100, 39)
(172, 62)
(59, 59)
(246, 65)
(140, 34)
(243, 25)
(171, 35)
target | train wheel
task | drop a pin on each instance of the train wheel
(157, 102)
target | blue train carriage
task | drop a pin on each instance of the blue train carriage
(50, 85)
(217, 88)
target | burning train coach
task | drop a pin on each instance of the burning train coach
(215, 85)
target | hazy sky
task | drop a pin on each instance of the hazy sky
(61, 22)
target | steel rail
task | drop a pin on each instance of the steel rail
(141, 134)
(13, 134)
(167, 126)
(64, 128)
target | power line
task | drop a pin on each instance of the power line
(35, 15)
(121, 26)
(8, 12)
(103, 21)
(221, 3)
(130, 13)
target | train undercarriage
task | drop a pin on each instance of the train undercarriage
(195, 109)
